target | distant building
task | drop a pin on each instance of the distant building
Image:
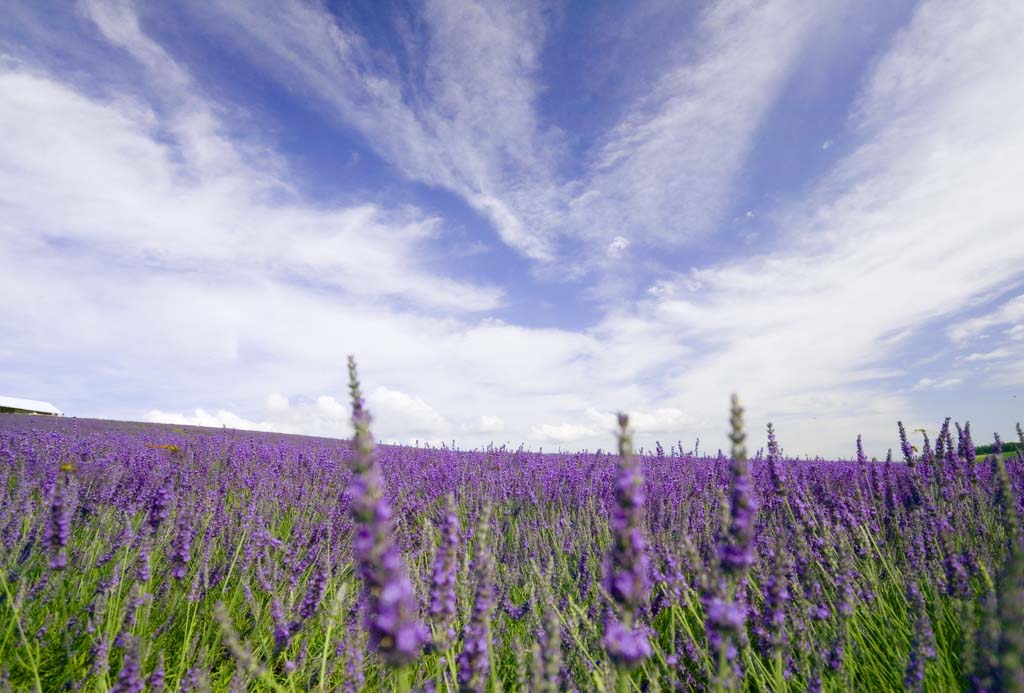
(16, 405)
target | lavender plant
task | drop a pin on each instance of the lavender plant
(198, 559)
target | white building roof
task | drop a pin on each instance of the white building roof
(29, 405)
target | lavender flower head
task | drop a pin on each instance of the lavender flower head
(922, 645)
(158, 507)
(969, 450)
(926, 448)
(474, 660)
(627, 646)
(628, 578)
(905, 446)
(129, 680)
(58, 527)
(773, 612)
(157, 677)
(442, 591)
(390, 616)
(774, 459)
(181, 549)
(737, 551)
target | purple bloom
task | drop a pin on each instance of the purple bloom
(774, 460)
(969, 450)
(773, 613)
(922, 645)
(129, 680)
(387, 593)
(626, 646)
(905, 446)
(58, 527)
(442, 591)
(474, 660)
(736, 553)
(181, 549)
(628, 578)
(926, 449)
(156, 678)
(159, 507)
(314, 593)
(142, 569)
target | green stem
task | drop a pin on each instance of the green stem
(622, 684)
(21, 631)
(403, 680)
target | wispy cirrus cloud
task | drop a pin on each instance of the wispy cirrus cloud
(664, 172)
(807, 332)
(170, 184)
(158, 254)
(1009, 315)
(438, 122)
(668, 171)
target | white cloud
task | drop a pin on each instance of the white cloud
(563, 432)
(669, 167)
(222, 419)
(485, 424)
(331, 408)
(602, 426)
(1009, 312)
(276, 403)
(474, 55)
(939, 384)
(917, 221)
(666, 169)
(617, 247)
(410, 413)
(994, 355)
(168, 186)
(800, 332)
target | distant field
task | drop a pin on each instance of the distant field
(186, 558)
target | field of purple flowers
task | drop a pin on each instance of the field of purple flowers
(151, 557)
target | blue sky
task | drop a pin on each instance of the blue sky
(520, 218)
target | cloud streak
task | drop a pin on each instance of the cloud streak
(157, 256)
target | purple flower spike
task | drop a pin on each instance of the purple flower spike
(774, 463)
(922, 645)
(628, 579)
(474, 661)
(969, 450)
(156, 679)
(58, 528)
(159, 507)
(737, 552)
(181, 551)
(129, 680)
(626, 646)
(908, 450)
(390, 616)
(442, 592)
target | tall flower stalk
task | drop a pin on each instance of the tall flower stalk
(58, 527)
(442, 590)
(388, 599)
(474, 661)
(725, 611)
(628, 578)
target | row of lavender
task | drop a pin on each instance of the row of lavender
(140, 556)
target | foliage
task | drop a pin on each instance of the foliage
(178, 559)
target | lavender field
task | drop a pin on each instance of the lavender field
(145, 557)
